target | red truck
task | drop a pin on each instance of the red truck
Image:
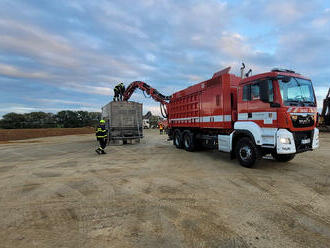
(269, 113)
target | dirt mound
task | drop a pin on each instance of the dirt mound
(19, 134)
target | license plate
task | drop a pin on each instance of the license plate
(305, 141)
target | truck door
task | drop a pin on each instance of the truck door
(243, 98)
(258, 111)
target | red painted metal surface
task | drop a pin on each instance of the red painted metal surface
(283, 113)
(209, 104)
(217, 103)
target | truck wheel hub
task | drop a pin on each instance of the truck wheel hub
(177, 140)
(186, 142)
(245, 152)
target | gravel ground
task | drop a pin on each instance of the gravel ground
(20, 134)
(57, 192)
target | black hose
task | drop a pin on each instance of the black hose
(145, 95)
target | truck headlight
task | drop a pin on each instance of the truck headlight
(294, 117)
(285, 140)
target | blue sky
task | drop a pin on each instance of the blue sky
(63, 54)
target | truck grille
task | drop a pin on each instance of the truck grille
(300, 136)
(302, 121)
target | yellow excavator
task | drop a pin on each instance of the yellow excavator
(324, 120)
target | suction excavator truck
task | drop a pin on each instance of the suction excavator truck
(270, 113)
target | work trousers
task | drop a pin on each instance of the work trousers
(116, 97)
(102, 142)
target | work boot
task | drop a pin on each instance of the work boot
(98, 151)
(103, 152)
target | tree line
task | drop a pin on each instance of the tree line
(63, 119)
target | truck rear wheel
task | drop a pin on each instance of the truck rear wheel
(189, 141)
(177, 139)
(246, 152)
(283, 157)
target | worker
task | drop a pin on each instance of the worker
(161, 128)
(116, 91)
(101, 136)
(121, 91)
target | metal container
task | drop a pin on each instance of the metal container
(123, 120)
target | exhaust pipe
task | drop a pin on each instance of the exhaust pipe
(242, 70)
(248, 73)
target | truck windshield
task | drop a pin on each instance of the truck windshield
(297, 92)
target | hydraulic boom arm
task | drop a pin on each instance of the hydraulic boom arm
(146, 88)
(326, 110)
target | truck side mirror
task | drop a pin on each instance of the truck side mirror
(275, 105)
(264, 91)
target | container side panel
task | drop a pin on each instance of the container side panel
(125, 119)
(205, 105)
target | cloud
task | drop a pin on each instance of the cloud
(29, 40)
(285, 11)
(320, 93)
(85, 47)
(21, 109)
(233, 45)
(194, 78)
(280, 12)
(90, 89)
(12, 71)
(60, 53)
(150, 57)
(322, 20)
(64, 102)
(155, 110)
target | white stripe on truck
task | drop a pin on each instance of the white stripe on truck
(212, 118)
(267, 117)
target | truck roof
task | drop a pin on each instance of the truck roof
(200, 86)
(272, 74)
(235, 80)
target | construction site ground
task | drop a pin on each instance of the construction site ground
(57, 192)
(20, 134)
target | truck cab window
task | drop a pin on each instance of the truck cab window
(255, 92)
(271, 91)
(246, 93)
(297, 92)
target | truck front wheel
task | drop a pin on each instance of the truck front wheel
(246, 152)
(283, 157)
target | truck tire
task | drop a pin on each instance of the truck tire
(246, 152)
(189, 141)
(177, 139)
(283, 157)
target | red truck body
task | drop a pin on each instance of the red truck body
(209, 104)
(214, 104)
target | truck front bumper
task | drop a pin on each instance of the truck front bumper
(285, 142)
(295, 142)
(316, 142)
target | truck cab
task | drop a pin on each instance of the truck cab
(277, 112)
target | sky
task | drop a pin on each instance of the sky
(62, 54)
